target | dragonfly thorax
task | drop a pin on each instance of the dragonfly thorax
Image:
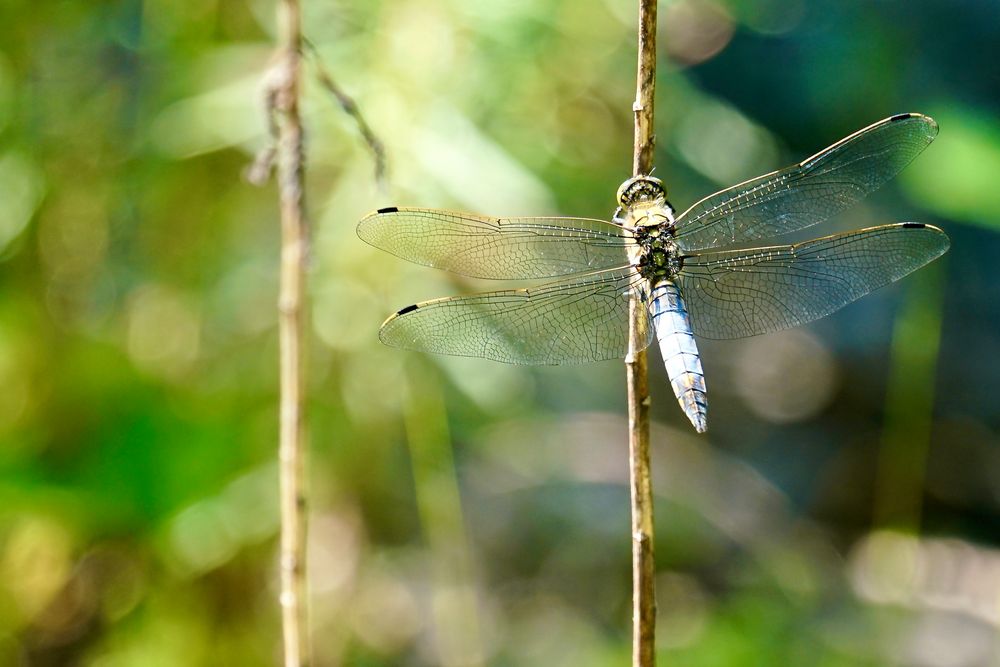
(660, 258)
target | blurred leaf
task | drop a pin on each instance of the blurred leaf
(21, 188)
(957, 177)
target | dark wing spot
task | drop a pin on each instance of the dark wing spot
(390, 209)
(913, 225)
(408, 309)
(900, 116)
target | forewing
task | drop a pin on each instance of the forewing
(732, 294)
(809, 192)
(498, 248)
(567, 322)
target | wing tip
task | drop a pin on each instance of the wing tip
(399, 313)
(385, 330)
(922, 225)
(365, 228)
(945, 241)
(931, 124)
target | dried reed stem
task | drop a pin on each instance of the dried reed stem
(643, 563)
(291, 321)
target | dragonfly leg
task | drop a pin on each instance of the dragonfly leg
(619, 217)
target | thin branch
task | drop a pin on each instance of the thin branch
(291, 322)
(260, 169)
(643, 563)
(351, 108)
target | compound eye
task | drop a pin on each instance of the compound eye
(639, 189)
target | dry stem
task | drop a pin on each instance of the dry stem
(643, 563)
(291, 321)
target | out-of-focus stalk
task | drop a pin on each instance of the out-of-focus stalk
(291, 323)
(910, 402)
(454, 605)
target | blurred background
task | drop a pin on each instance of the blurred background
(843, 508)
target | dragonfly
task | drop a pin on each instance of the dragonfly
(690, 274)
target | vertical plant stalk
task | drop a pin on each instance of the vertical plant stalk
(909, 402)
(641, 487)
(291, 323)
(454, 616)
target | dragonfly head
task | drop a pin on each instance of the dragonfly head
(641, 189)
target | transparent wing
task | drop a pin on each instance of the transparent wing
(737, 293)
(567, 322)
(809, 192)
(498, 248)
